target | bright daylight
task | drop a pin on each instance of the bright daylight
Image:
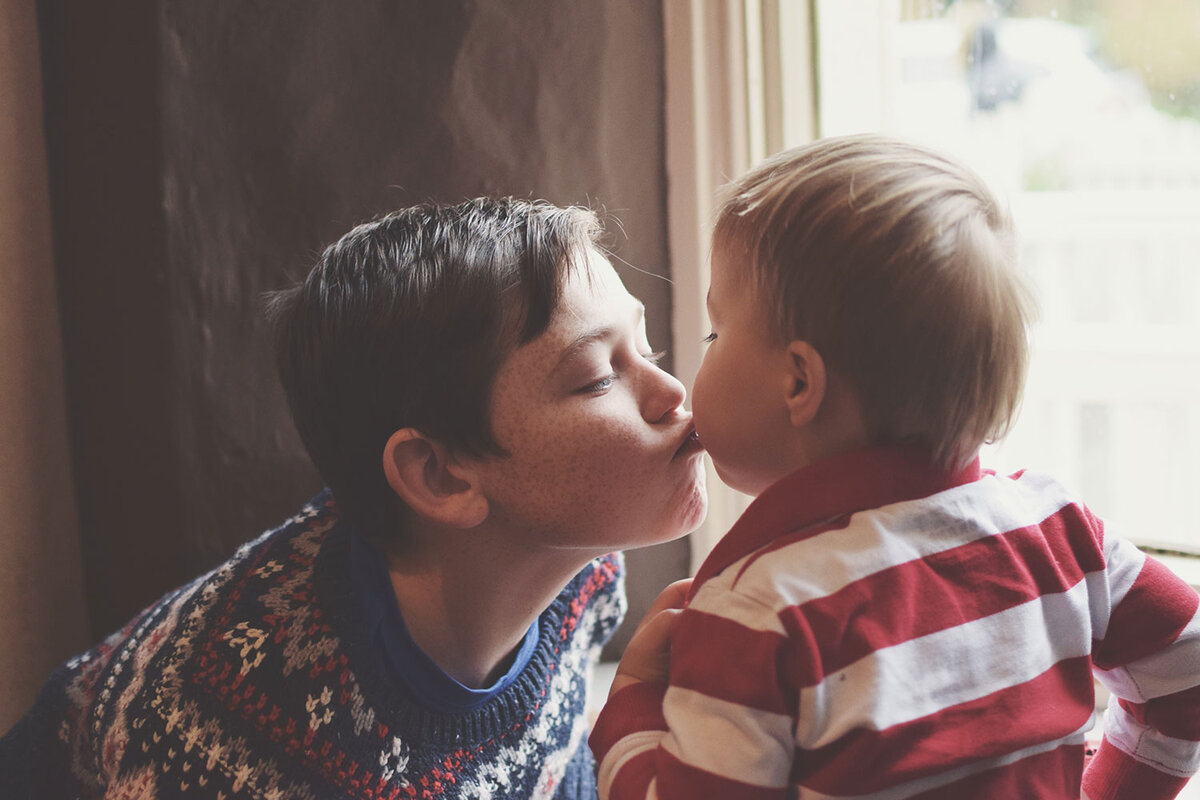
(1085, 115)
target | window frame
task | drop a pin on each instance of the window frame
(725, 110)
(726, 66)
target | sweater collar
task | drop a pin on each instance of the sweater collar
(833, 487)
(401, 658)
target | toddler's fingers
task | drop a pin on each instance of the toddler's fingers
(655, 629)
(671, 597)
(647, 657)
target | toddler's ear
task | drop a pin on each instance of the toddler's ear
(806, 382)
(423, 472)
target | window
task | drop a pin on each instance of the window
(1084, 116)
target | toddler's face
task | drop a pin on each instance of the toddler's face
(602, 452)
(739, 396)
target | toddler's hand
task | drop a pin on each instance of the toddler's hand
(647, 654)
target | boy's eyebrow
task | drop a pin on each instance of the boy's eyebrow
(594, 335)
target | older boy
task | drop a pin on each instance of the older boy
(475, 385)
(886, 620)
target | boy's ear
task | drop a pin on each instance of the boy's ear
(806, 382)
(423, 472)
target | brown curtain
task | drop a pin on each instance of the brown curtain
(201, 154)
(41, 595)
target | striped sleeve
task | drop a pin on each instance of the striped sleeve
(723, 728)
(1148, 653)
(624, 740)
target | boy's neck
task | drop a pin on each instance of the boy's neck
(468, 605)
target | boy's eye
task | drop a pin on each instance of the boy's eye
(605, 383)
(597, 387)
(712, 337)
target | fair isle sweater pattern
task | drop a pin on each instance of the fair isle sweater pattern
(251, 682)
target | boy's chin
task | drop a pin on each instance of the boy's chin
(694, 511)
(698, 520)
(686, 525)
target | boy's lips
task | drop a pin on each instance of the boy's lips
(690, 444)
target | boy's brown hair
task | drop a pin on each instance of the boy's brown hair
(899, 266)
(404, 322)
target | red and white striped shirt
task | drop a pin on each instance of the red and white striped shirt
(872, 628)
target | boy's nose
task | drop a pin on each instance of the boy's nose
(662, 395)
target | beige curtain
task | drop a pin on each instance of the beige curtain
(42, 618)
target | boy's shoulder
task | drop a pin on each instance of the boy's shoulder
(226, 636)
(281, 556)
(254, 664)
(785, 565)
(273, 571)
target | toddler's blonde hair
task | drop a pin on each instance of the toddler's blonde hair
(899, 266)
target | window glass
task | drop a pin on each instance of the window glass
(1085, 117)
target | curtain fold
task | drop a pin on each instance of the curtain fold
(42, 615)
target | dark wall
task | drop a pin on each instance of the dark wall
(203, 153)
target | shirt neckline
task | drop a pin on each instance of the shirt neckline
(842, 484)
(400, 658)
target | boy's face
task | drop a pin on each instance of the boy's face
(602, 454)
(739, 394)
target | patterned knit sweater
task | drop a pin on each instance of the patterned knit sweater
(253, 681)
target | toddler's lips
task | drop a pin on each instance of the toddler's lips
(690, 446)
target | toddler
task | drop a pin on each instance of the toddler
(887, 619)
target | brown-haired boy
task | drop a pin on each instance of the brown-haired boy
(474, 383)
(886, 619)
